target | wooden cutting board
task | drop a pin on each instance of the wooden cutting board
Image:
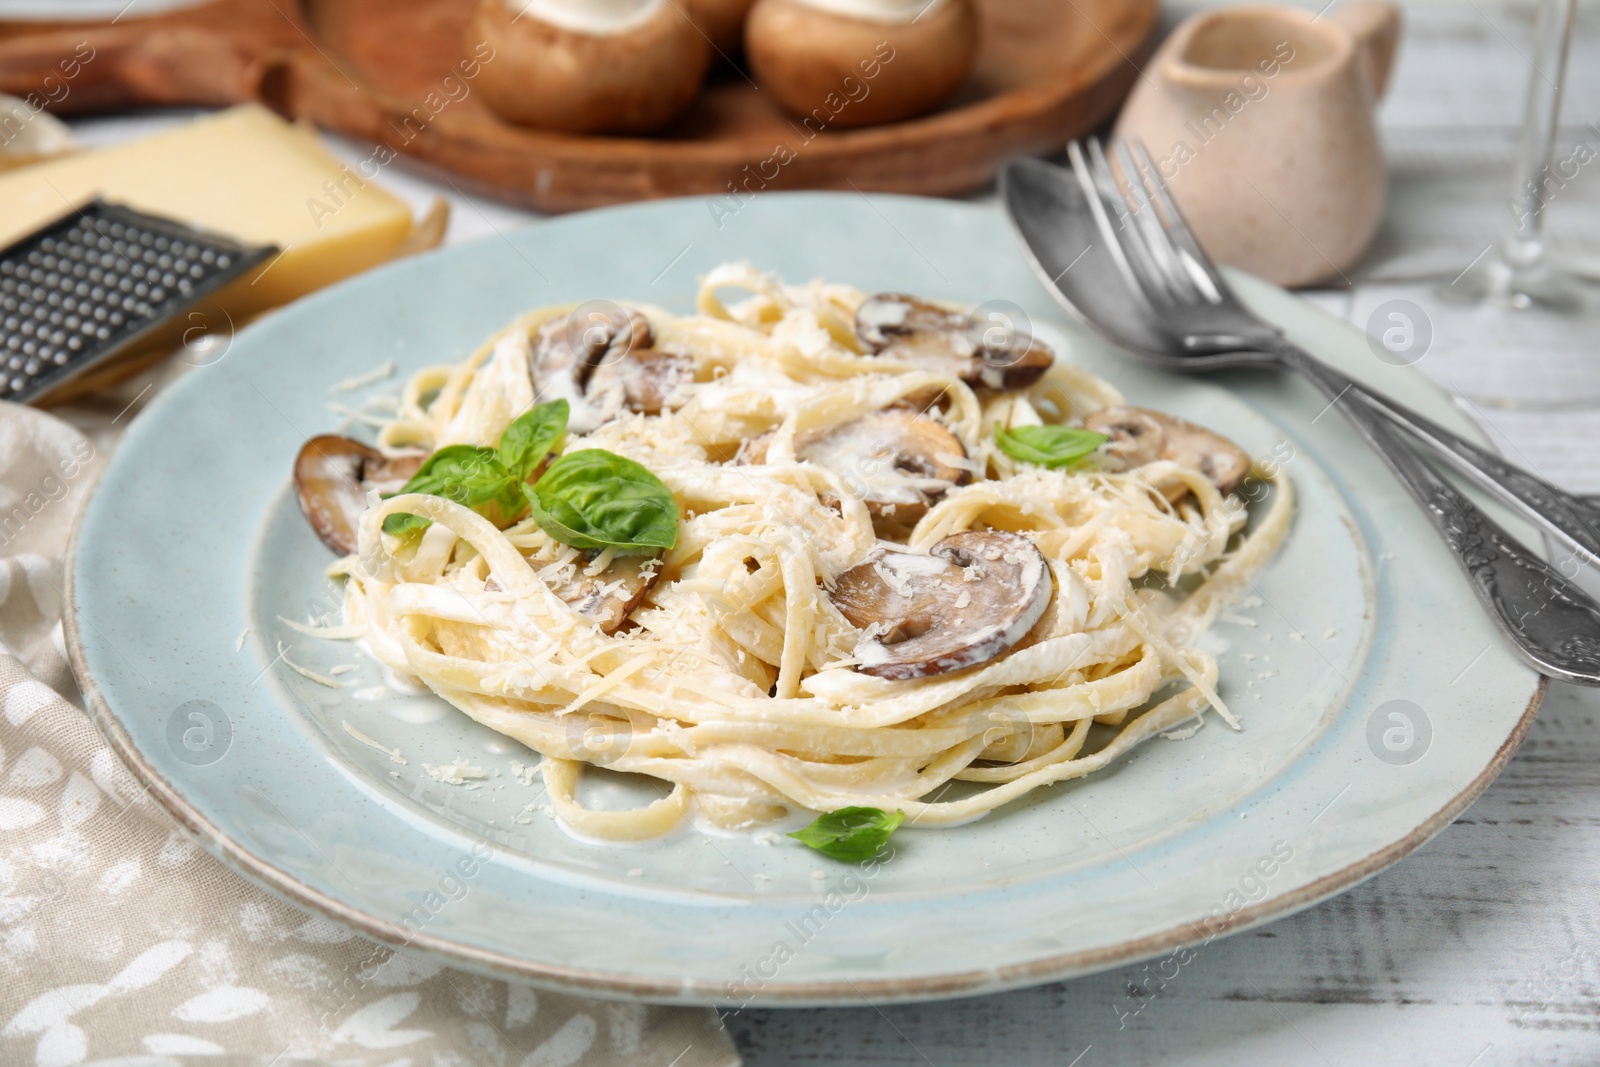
(389, 71)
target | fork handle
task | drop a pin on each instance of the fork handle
(1573, 518)
(1570, 517)
(1552, 623)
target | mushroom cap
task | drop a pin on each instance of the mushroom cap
(971, 599)
(634, 80)
(332, 476)
(1137, 436)
(947, 341)
(898, 461)
(835, 70)
(722, 21)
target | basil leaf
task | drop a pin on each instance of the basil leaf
(850, 834)
(531, 437)
(403, 522)
(598, 499)
(471, 476)
(1048, 446)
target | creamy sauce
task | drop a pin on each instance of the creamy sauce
(597, 18)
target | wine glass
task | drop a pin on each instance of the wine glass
(1515, 295)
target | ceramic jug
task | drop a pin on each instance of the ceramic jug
(1260, 119)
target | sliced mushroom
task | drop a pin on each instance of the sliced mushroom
(898, 461)
(647, 382)
(949, 342)
(592, 335)
(1138, 436)
(971, 599)
(610, 596)
(601, 361)
(754, 451)
(332, 476)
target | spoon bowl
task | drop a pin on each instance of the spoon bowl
(1060, 238)
(1143, 281)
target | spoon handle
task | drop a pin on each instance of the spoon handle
(1574, 519)
(1553, 624)
(1567, 515)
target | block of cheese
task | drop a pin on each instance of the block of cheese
(244, 173)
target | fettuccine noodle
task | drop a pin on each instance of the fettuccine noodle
(735, 681)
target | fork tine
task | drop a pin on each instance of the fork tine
(1108, 230)
(1178, 227)
(1166, 257)
(1148, 276)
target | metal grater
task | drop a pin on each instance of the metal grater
(97, 282)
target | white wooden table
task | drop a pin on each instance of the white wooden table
(1481, 949)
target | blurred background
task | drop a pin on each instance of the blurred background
(392, 101)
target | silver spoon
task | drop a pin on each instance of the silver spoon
(1137, 283)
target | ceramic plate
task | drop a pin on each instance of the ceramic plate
(1377, 699)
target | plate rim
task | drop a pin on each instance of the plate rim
(613, 984)
(793, 994)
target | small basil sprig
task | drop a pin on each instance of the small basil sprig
(589, 499)
(1048, 446)
(475, 477)
(532, 436)
(598, 499)
(850, 834)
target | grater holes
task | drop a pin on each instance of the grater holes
(86, 286)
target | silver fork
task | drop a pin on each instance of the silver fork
(1180, 282)
(1553, 624)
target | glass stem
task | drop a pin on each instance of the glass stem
(1534, 183)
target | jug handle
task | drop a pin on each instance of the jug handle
(1375, 25)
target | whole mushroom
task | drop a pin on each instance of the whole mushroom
(972, 598)
(589, 66)
(850, 63)
(722, 21)
(950, 342)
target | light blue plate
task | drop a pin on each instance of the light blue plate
(194, 537)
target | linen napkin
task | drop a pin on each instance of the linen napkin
(123, 942)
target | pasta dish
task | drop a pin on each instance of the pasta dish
(805, 550)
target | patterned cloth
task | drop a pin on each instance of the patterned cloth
(122, 942)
